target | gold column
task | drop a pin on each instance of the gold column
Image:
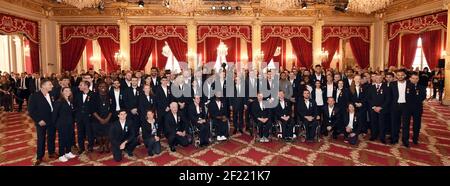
(372, 47)
(446, 100)
(256, 43)
(317, 41)
(192, 44)
(124, 44)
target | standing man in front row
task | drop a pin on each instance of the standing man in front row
(122, 136)
(415, 95)
(40, 108)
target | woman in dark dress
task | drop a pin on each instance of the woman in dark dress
(151, 133)
(63, 118)
(102, 116)
(352, 125)
(5, 94)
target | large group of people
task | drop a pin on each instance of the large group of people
(117, 111)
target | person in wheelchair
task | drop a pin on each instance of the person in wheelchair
(283, 112)
(198, 117)
(308, 114)
(261, 115)
(331, 118)
(218, 109)
(352, 129)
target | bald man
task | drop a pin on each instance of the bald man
(175, 127)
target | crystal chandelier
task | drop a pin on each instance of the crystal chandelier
(368, 6)
(278, 5)
(182, 6)
(80, 4)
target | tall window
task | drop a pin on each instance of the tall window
(419, 61)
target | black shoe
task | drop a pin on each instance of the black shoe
(406, 145)
(383, 141)
(91, 149)
(240, 130)
(150, 154)
(415, 142)
(234, 131)
(172, 149)
(372, 138)
(335, 137)
(393, 142)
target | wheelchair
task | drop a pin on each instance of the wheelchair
(213, 132)
(300, 130)
(193, 135)
(275, 131)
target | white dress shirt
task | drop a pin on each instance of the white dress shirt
(401, 92)
(319, 98)
(350, 121)
(117, 98)
(47, 97)
(330, 88)
(84, 97)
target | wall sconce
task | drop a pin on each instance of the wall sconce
(443, 54)
(324, 55)
(119, 57)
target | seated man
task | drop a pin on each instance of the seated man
(122, 136)
(175, 127)
(219, 115)
(331, 118)
(352, 123)
(283, 112)
(308, 114)
(262, 117)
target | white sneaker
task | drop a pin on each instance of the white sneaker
(294, 136)
(69, 155)
(261, 140)
(62, 159)
(224, 138)
(219, 138)
(266, 140)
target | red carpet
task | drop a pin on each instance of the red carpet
(18, 141)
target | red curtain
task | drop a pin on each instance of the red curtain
(303, 51)
(431, 42)
(140, 52)
(409, 47)
(394, 45)
(211, 44)
(178, 47)
(109, 49)
(269, 47)
(361, 51)
(234, 47)
(71, 53)
(34, 55)
(249, 51)
(331, 45)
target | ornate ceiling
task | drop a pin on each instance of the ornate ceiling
(249, 8)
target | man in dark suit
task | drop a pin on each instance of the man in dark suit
(218, 110)
(122, 136)
(237, 103)
(415, 95)
(398, 107)
(40, 109)
(164, 98)
(146, 101)
(251, 89)
(176, 126)
(378, 98)
(308, 114)
(283, 113)
(317, 76)
(23, 91)
(331, 118)
(118, 96)
(83, 103)
(126, 82)
(155, 79)
(348, 79)
(34, 83)
(262, 115)
(388, 116)
(132, 94)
